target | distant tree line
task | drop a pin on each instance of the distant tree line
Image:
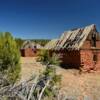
(19, 42)
(42, 42)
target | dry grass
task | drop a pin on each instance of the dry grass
(76, 86)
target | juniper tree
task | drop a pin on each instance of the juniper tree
(9, 57)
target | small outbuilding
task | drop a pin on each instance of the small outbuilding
(29, 49)
(79, 48)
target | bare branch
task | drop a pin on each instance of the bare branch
(40, 96)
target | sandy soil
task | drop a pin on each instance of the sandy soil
(30, 67)
(83, 87)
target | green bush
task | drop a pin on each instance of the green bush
(50, 72)
(9, 57)
(55, 81)
(44, 56)
(55, 59)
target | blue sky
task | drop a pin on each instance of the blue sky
(29, 19)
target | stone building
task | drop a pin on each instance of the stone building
(79, 48)
(29, 49)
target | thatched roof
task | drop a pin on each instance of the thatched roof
(74, 39)
(51, 44)
(29, 44)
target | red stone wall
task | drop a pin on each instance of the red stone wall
(87, 45)
(98, 44)
(70, 59)
(81, 59)
(98, 62)
(87, 61)
(87, 53)
(28, 52)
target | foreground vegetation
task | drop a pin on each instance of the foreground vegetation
(41, 87)
(45, 57)
(44, 86)
(9, 58)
